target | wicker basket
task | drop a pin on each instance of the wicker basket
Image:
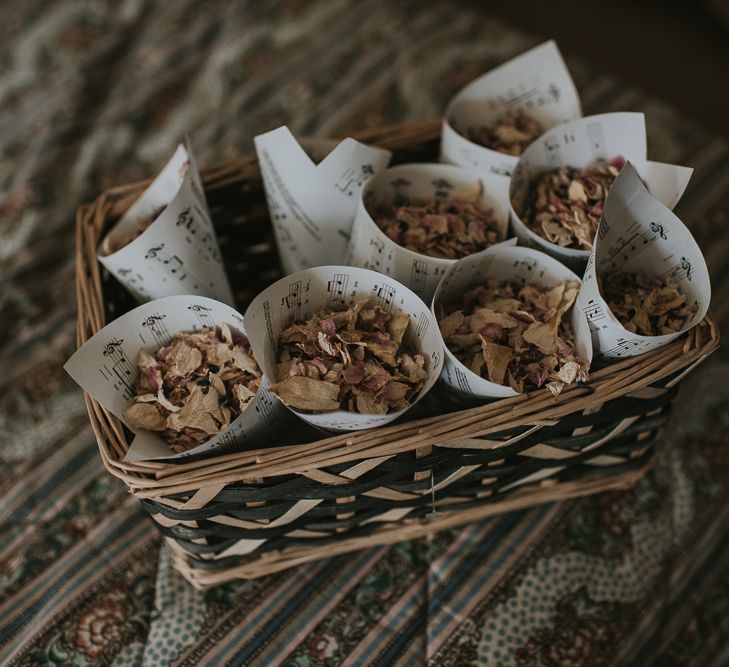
(251, 513)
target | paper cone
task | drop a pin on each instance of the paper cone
(536, 83)
(178, 253)
(512, 263)
(301, 295)
(638, 233)
(106, 368)
(372, 249)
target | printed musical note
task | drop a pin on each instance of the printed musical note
(595, 315)
(265, 406)
(628, 246)
(385, 296)
(337, 290)
(156, 326)
(118, 371)
(554, 151)
(442, 188)
(378, 249)
(184, 220)
(603, 228)
(596, 136)
(622, 349)
(419, 276)
(422, 326)
(292, 302)
(202, 313)
(659, 229)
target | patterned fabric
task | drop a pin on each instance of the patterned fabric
(95, 94)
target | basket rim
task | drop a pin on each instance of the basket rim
(536, 409)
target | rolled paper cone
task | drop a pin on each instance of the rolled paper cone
(580, 143)
(178, 253)
(372, 249)
(106, 368)
(515, 264)
(312, 205)
(536, 83)
(637, 233)
(300, 296)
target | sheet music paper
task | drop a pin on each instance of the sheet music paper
(301, 295)
(106, 367)
(513, 263)
(371, 248)
(580, 143)
(639, 233)
(312, 206)
(178, 253)
(536, 83)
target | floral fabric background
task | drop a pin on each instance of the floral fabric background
(96, 94)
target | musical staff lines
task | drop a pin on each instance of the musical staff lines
(156, 326)
(385, 296)
(625, 348)
(419, 276)
(202, 314)
(377, 247)
(598, 145)
(265, 406)
(422, 326)
(293, 301)
(627, 246)
(337, 290)
(118, 370)
(554, 151)
(595, 315)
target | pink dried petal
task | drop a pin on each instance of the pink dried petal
(618, 162)
(328, 327)
(491, 330)
(538, 375)
(353, 374)
(376, 381)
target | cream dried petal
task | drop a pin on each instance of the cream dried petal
(198, 412)
(568, 372)
(576, 192)
(368, 404)
(326, 345)
(304, 393)
(245, 361)
(450, 324)
(243, 395)
(483, 316)
(146, 361)
(183, 360)
(497, 358)
(398, 325)
(219, 355)
(165, 403)
(226, 333)
(216, 383)
(543, 335)
(144, 416)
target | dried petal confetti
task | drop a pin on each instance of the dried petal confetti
(191, 389)
(510, 136)
(352, 360)
(644, 304)
(516, 335)
(117, 242)
(564, 205)
(447, 227)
